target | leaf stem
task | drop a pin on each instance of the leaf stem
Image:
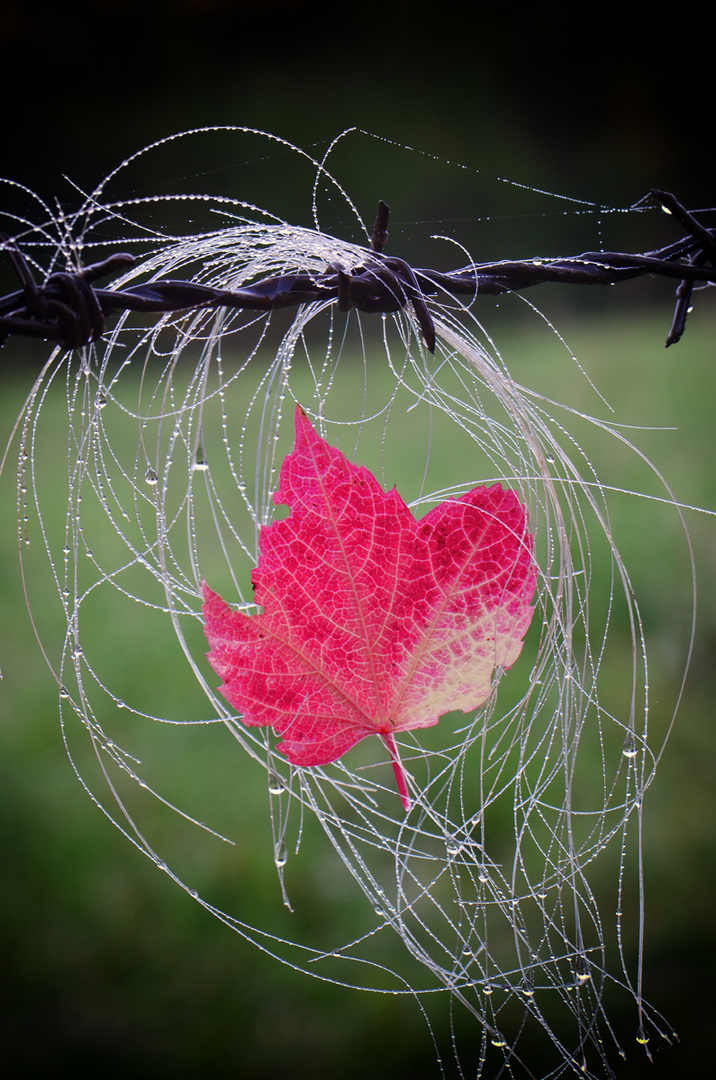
(398, 770)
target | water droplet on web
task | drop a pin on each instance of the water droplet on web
(100, 401)
(488, 989)
(151, 477)
(276, 784)
(629, 749)
(527, 987)
(642, 1038)
(63, 692)
(200, 462)
(280, 854)
(581, 970)
(497, 1040)
(482, 874)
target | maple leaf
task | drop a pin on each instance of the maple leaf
(373, 622)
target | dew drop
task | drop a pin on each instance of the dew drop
(100, 401)
(276, 784)
(629, 750)
(582, 971)
(280, 854)
(150, 476)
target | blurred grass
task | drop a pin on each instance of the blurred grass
(110, 969)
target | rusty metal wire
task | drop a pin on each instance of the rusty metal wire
(69, 309)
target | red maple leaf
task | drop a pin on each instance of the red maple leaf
(373, 622)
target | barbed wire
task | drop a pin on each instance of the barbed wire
(69, 309)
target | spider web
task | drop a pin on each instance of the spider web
(514, 885)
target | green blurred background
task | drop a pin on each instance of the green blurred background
(109, 968)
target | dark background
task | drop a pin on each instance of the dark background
(593, 104)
